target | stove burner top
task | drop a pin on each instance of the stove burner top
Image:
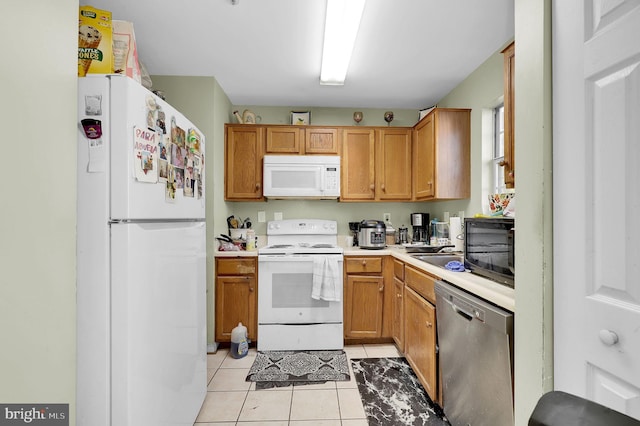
(301, 236)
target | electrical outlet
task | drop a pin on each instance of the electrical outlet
(387, 217)
(262, 217)
(277, 216)
(445, 217)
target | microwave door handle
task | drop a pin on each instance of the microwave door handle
(511, 244)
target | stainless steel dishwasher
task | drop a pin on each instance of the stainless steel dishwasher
(476, 362)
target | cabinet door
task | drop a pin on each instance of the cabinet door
(393, 158)
(509, 113)
(363, 306)
(244, 149)
(398, 313)
(283, 140)
(424, 159)
(420, 339)
(235, 302)
(321, 141)
(358, 165)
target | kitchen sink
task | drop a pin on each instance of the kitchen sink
(438, 259)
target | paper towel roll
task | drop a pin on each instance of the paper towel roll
(455, 229)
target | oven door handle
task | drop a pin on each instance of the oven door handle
(292, 258)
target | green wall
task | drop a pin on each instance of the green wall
(38, 215)
(332, 116)
(204, 102)
(481, 91)
(534, 233)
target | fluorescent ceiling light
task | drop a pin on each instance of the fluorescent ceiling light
(340, 31)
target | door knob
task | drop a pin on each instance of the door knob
(608, 337)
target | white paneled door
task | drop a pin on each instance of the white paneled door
(596, 169)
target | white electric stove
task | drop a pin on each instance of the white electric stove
(288, 317)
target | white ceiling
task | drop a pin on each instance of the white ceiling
(408, 54)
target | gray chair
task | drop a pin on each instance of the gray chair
(558, 408)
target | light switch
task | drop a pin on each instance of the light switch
(262, 217)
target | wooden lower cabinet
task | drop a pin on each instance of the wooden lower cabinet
(420, 334)
(236, 297)
(364, 301)
(364, 297)
(397, 329)
(420, 340)
(368, 302)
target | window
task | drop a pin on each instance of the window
(498, 149)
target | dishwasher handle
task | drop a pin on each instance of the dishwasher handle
(464, 314)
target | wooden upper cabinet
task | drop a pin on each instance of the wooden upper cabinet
(243, 152)
(424, 151)
(357, 178)
(376, 164)
(393, 173)
(442, 155)
(509, 163)
(319, 140)
(284, 140)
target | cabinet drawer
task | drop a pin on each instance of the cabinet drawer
(362, 265)
(235, 266)
(421, 282)
(398, 269)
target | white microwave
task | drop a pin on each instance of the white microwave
(301, 176)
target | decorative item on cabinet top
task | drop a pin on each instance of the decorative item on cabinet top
(423, 112)
(388, 117)
(357, 116)
(302, 118)
(247, 117)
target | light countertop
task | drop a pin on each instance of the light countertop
(498, 294)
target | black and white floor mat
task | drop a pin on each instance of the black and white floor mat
(392, 395)
(284, 368)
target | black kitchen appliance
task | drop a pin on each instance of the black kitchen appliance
(489, 248)
(420, 224)
(354, 227)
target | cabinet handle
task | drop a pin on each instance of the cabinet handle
(430, 184)
(503, 163)
(383, 188)
(250, 288)
(429, 324)
(257, 186)
(381, 288)
(608, 337)
(399, 295)
(364, 263)
(372, 187)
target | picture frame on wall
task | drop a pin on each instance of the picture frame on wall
(301, 118)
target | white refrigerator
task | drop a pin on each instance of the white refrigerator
(141, 309)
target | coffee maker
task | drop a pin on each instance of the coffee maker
(354, 227)
(420, 224)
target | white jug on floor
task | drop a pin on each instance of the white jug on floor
(239, 342)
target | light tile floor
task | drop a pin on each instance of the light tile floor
(232, 401)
